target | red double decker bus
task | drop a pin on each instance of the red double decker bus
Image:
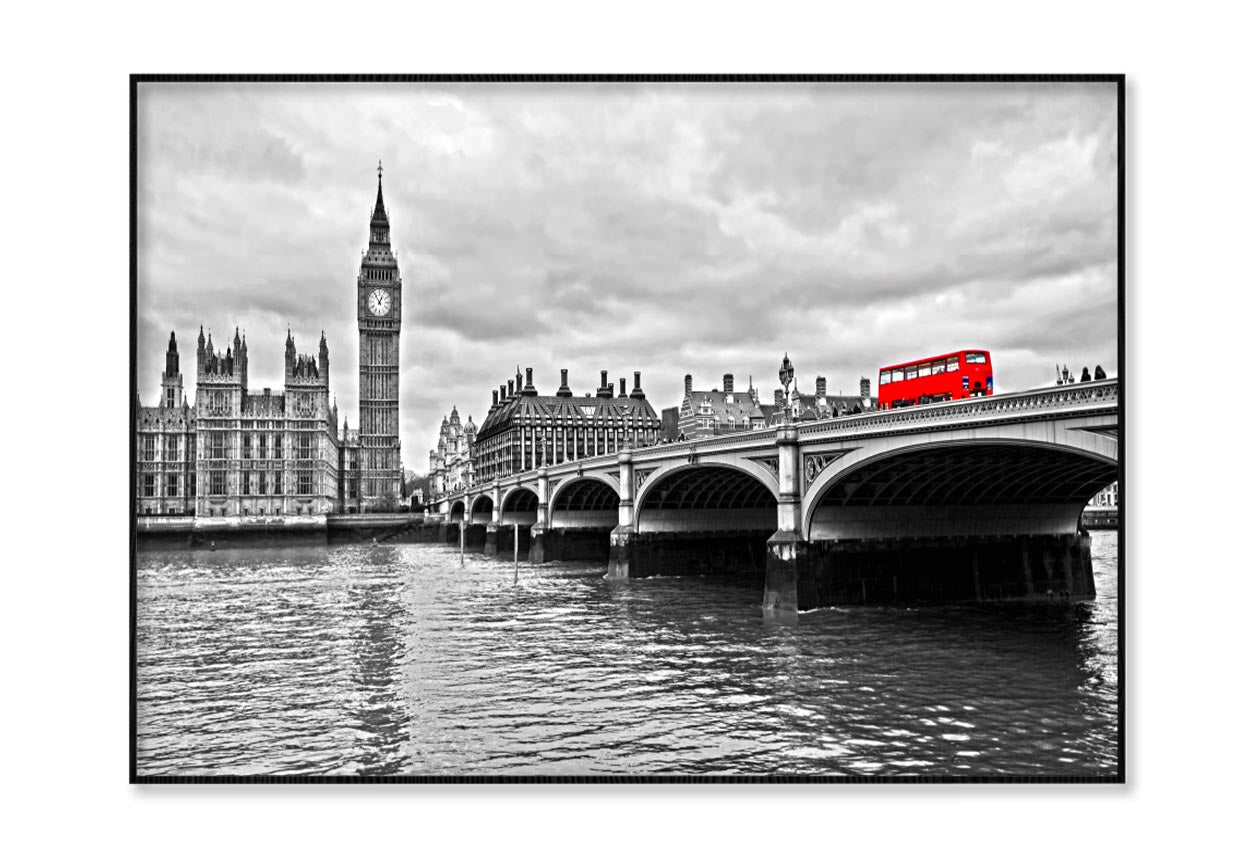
(931, 380)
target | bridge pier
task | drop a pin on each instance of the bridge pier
(449, 532)
(476, 536)
(730, 552)
(623, 540)
(538, 550)
(804, 575)
(569, 543)
(491, 533)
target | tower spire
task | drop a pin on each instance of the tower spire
(380, 215)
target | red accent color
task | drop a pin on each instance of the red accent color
(937, 387)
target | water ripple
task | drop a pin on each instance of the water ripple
(401, 659)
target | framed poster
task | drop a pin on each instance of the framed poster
(627, 429)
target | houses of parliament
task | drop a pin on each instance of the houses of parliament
(232, 451)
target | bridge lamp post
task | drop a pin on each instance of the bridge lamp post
(786, 374)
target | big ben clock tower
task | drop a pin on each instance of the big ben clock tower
(378, 328)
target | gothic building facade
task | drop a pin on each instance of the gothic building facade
(239, 453)
(452, 460)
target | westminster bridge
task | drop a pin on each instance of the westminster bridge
(970, 500)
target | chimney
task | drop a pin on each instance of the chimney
(529, 390)
(606, 387)
(622, 386)
(502, 395)
(604, 378)
(778, 397)
(495, 400)
(638, 392)
(687, 384)
(820, 387)
(865, 387)
(728, 383)
(564, 390)
(510, 389)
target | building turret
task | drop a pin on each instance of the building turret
(820, 387)
(687, 385)
(289, 355)
(728, 383)
(864, 387)
(171, 378)
(324, 357)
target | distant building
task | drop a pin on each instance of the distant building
(670, 424)
(452, 460)
(238, 452)
(705, 413)
(819, 405)
(1106, 498)
(524, 430)
(235, 452)
(166, 478)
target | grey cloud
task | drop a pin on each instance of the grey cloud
(672, 230)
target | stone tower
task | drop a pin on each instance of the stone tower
(378, 328)
(171, 379)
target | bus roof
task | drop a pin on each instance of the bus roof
(934, 358)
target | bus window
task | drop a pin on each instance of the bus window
(976, 358)
(885, 377)
(937, 367)
(911, 372)
(952, 363)
(898, 375)
(924, 369)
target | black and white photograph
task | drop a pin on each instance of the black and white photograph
(627, 429)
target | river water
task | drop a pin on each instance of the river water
(400, 659)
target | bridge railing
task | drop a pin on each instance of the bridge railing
(1086, 396)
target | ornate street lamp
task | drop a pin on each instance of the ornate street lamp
(786, 374)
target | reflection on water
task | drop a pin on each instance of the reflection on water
(399, 659)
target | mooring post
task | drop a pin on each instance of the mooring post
(463, 541)
(515, 553)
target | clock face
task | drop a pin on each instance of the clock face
(379, 302)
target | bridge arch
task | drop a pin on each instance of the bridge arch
(519, 505)
(957, 487)
(590, 500)
(457, 510)
(481, 509)
(725, 494)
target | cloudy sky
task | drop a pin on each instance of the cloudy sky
(663, 228)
